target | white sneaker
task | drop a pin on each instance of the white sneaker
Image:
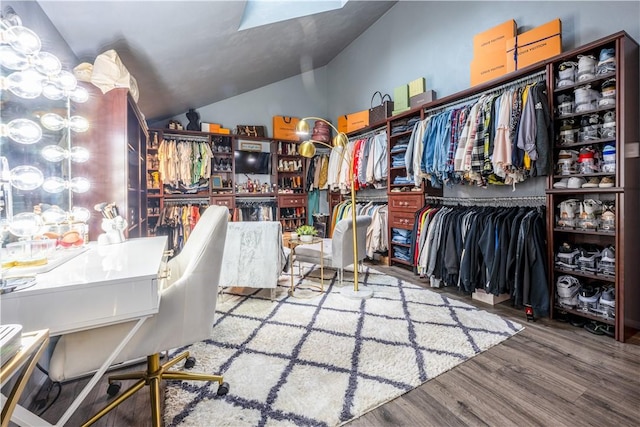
(576, 182)
(562, 183)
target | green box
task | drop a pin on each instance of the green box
(401, 97)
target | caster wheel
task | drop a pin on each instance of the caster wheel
(190, 362)
(223, 389)
(114, 388)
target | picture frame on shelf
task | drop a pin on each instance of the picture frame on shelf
(216, 181)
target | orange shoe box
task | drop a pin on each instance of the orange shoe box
(534, 45)
(488, 66)
(357, 121)
(494, 38)
(209, 127)
(342, 123)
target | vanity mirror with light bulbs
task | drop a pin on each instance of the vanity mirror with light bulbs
(65, 147)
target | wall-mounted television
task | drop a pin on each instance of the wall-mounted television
(253, 162)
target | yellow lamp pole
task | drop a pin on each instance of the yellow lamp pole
(308, 149)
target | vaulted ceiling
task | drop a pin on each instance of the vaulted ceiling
(188, 54)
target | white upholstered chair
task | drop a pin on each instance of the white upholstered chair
(186, 314)
(254, 256)
(338, 250)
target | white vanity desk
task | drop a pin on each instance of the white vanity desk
(101, 286)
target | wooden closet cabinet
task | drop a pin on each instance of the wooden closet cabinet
(589, 216)
(117, 141)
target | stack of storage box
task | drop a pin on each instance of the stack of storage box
(489, 47)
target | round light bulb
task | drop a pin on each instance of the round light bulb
(54, 215)
(26, 177)
(25, 224)
(78, 124)
(65, 81)
(22, 39)
(79, 95)
(53, 92)
(307, 149)
(25, 84)
(80, 214)
(54, 184)
(54, 153)
(79, 185)
(52, 121)
(13, 60)
(47, 63)
(23, 131)
(79, 154)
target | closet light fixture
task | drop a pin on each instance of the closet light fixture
(43, 62)
(308, 149)
(26, 177)
(20, 38)
(25, 84)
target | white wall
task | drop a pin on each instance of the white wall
(303, 95)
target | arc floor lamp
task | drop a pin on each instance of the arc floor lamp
(308, 149)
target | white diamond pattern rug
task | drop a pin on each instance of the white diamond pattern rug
(323, 359)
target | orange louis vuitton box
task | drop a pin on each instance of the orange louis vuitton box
(209, 127)
(358, 120)
(488, 67)
(284, 127)
(342, 123)
(534, 45)
(494, 38)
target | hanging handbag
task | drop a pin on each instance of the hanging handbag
(379, 113)
(251, 130)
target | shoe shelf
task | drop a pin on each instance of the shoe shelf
(568, 191)
(583, 143)
(585, 231)
(586, 275)
(586, 315)
(601, 77)
(586, 113)
(592, 81)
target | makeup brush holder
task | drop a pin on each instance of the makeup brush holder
(113, 231)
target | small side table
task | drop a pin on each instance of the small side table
(33, 345)
(292, 245)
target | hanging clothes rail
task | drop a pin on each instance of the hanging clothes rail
(489, 201)
(369, 133)
(531, 78)
(190, 138)
(184, 200)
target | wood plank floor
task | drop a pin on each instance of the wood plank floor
(550, 374)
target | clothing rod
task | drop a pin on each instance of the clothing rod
(369, 133)
(186, 201)
(484, 199)
(193, 138)
(532, 78)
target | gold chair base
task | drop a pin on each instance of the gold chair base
(152, 377)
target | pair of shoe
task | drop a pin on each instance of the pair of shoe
(598, 328)
(595, 182)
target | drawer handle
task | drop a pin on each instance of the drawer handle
(168, 253)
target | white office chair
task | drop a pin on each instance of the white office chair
(186, 313)
(338, 250)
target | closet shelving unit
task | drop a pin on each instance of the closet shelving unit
(624, 194)
(291, 173)
(402, 204)
(289, 194)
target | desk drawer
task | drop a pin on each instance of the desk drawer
(407, 203)
(226, 201)
(401, 220)
(292, 201)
